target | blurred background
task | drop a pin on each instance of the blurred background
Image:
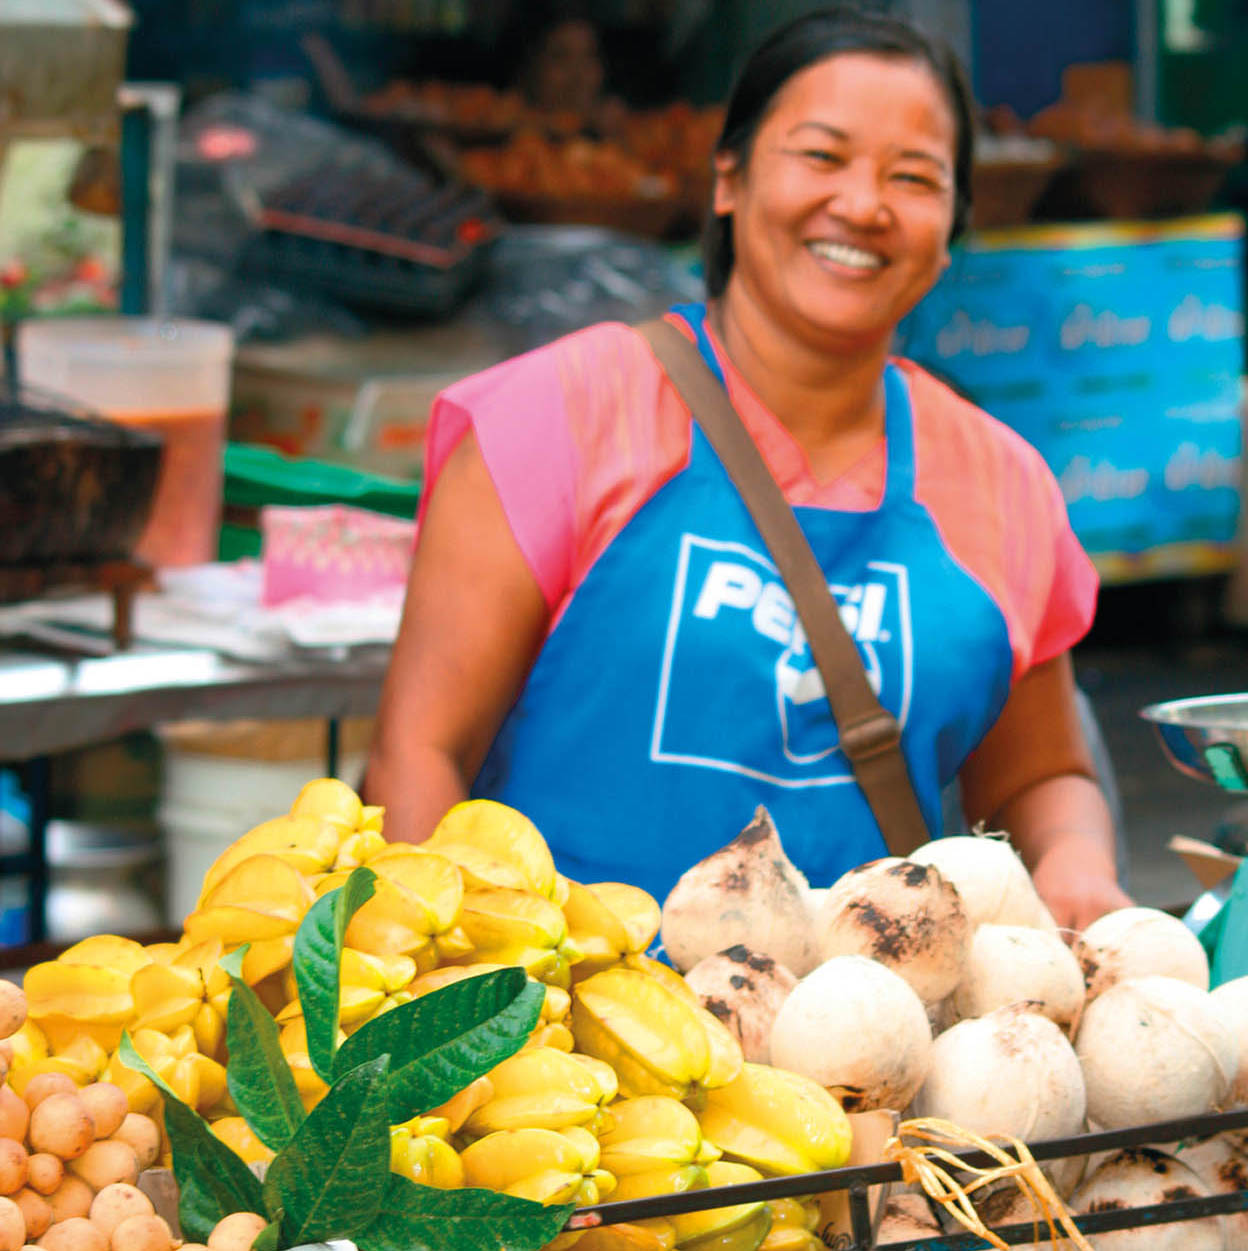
(312, 215)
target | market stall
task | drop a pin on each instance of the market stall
(420, 1044)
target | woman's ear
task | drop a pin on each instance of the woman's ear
(724, 194)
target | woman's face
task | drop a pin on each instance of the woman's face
(841, 217)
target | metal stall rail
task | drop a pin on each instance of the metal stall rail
(856, 1182)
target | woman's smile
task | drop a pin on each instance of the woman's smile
(859, 262)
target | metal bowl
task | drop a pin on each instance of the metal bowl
(1205, 737)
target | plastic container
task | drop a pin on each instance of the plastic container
(221, 779)
(171, 378)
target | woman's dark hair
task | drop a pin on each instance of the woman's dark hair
(803, 43)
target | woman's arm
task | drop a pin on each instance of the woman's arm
(1033, 776)
(473, 621)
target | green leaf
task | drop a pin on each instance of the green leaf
(442, 1041)
(258, 1076)
(269, 1238)
(212, 1180)
(330, 1178)
(318, 950)
(422, 1218)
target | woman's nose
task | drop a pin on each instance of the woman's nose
(857, 196)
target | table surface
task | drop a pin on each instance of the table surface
(51, 703)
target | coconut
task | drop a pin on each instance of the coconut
(748, 892)
(1015, 963)
(1223, 1169)
(858, 1029)
(989, 876)
(1154, 1049)
(1138, 1177)
(907, 916)
(815, 895)
(1230, 1002)
(1011, 1072)
(1139, 942)
(744, 989)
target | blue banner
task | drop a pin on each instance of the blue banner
(1117, 350)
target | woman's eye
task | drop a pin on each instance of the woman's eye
(820, 156)
(917, 179)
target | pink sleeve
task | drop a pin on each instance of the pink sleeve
(1071, 603)
(576, 436)
(516, 411)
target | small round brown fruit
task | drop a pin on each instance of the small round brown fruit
(142, 1233)
(44, 1084)
(117, 1203)
(44, 1172)
(36, 1212)
(236, 1232)
(75, 1234)
(107, 1105)
(143, 1136)
(104, 1163)
(12, 1008)
(14, 1115)
(14, 1166)
(71, 1198)
(62, 1125)
(12, 1226)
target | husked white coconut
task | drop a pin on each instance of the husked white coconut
(1230, 1002)
(748, 892)
(1223, 1169)
(1154, 1049)
(1015, 964)
(1139, 942)
(857, 1029)
(904, 915)
(814, 899)
(744, 989)
(1011, 1072)
(992, 880)
(1138, 1177)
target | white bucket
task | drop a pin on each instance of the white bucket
(211, 797)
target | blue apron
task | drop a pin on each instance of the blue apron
(677, 692)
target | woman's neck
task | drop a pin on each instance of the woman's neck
(832, 403)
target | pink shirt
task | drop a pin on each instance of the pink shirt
(579, 434)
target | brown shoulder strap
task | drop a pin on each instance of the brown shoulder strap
(869, 733)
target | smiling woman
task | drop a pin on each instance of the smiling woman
(594, 630)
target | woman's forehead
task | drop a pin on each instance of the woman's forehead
(866, 88)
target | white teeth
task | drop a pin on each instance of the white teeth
(843, 254)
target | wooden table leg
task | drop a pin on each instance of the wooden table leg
(123, 614)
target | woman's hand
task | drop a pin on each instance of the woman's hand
(1077, 881)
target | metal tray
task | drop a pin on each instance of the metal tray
(1205, 737)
